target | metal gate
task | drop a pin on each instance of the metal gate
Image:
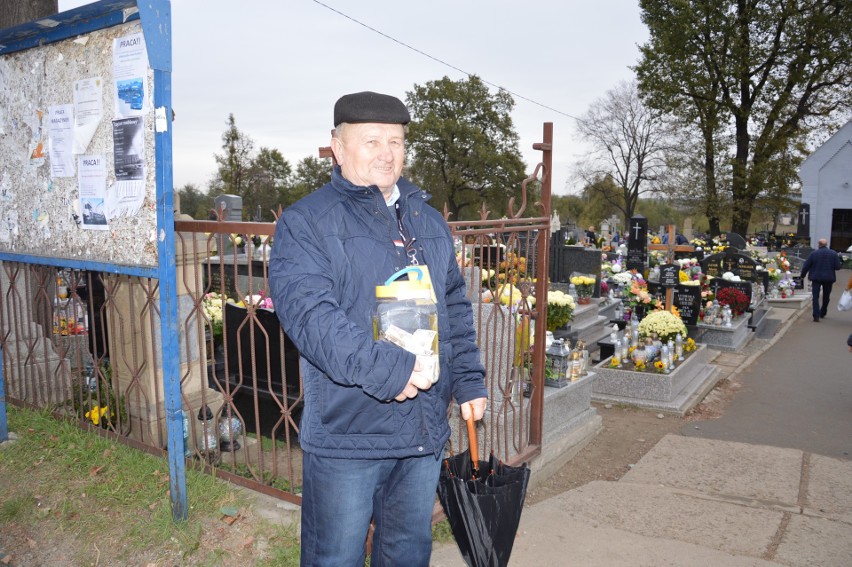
(88, 344)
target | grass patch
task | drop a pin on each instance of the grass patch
(60, 480)
(106, 503)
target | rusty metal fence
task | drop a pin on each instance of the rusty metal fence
(88, 346)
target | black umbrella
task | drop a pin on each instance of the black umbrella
(483, 501)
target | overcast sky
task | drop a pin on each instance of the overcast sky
(279, 66)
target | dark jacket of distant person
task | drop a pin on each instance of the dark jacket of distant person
(821, 265)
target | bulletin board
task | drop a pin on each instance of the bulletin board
(77, 142)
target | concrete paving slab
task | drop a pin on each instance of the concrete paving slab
(669, 514)
(829, 489)
(810, 541)
(767, 474)
(547, 539)
(733, 359)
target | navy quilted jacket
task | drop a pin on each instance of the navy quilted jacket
(821, 265)
(330, 251)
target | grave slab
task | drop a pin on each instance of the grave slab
(675, 392)
(795, 302)
(732, 338)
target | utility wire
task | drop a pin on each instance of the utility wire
(442, 62)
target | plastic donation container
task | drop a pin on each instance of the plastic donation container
(407, 316)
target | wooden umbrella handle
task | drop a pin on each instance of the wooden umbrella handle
(471, 437)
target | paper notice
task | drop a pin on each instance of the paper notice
(88, 110)
(130, 72)
(60, 136)
(91, 178)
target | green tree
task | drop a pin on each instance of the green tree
(600, 197)
(771, 71)
(462, 146)
(569, 207)
(195, 202)
(235, 161)
(696, 181)
(628, 142)
(262, 179)
(268, 182)
(311, 174)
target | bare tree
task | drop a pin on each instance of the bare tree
(628, 143)
(14, 13)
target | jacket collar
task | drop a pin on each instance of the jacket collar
(361, 193)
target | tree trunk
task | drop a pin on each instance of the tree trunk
(715, 226)
(14, 13)
(711, 195)
(742, 215)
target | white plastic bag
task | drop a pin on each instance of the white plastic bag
(845, 303)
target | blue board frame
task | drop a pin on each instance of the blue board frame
(155, 16)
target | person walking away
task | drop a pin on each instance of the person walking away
(374, 425)
(821, 266)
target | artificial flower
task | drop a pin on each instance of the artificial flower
(96, 413)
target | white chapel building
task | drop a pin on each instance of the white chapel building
(827, 187)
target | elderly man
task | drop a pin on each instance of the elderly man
(373, 428)
(821, 266)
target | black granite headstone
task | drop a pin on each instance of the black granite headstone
(637, 245)
(687, 298)
(735, 240)
(657, 291)
(488, 256)
(803, 217)
(567, 260)
(730, 261)
(718, 283)
(669, 275)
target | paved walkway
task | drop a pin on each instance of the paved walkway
(770, 485)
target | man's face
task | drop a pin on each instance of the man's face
(371, 154)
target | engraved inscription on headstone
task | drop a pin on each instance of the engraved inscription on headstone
(687, 298)
(730, 261)
(669, 275)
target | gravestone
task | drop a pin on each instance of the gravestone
(730, 261)
(735, 241)
(803, 230)
(687, 228)
(637, 245)
(687, 298)
(234, 277)
(565, 260)
(669, 275)
(744, 286)
(229, 208)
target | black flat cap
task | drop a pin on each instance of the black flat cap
(370, 107)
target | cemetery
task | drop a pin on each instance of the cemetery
(663, 307)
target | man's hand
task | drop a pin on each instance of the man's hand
(477, 406)
(416, 382)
